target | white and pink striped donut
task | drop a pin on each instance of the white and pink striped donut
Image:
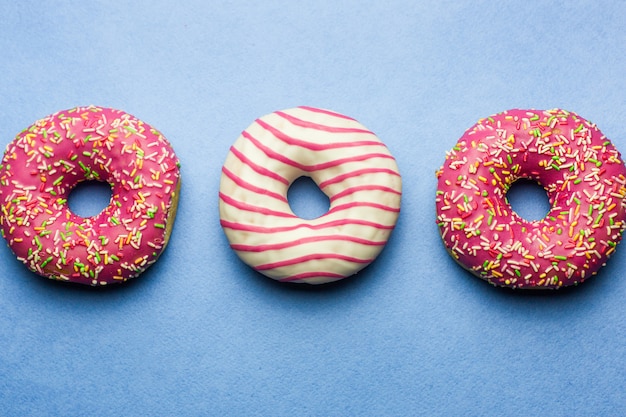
(348, 163)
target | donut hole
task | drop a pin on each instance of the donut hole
(528, 199)
(89, 198)
(306, 199)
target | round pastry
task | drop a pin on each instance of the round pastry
(348, 163)
(45, 161)
(582, 173)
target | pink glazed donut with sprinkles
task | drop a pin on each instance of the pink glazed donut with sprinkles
(348, 163)
(45, 161)
(582, 173)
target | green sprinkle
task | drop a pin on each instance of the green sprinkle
(577, 201)
(560, 257)
(58, 180)
(44, 263)
(162, 226)
(579, 128)
(578, 181)
(115, 221)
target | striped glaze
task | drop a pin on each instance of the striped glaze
(349, 164)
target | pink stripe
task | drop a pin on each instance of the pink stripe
(327, 112)
(257, 168)
(356, 173)
(362, 204)
(310, 125)
(309, 168)
(303, 241)
(312, 257)
(311, 275)
(314, 146)
(244, 184)
(249, 207)
(335, 223)
(358, 188)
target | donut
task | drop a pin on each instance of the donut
(584, 178)
(47, 160)
(347, 162)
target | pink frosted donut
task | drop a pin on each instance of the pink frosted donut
(45, 161)
(579, 168)
(348, 163)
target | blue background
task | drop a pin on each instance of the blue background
(200, 333)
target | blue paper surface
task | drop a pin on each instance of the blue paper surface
(200, 333)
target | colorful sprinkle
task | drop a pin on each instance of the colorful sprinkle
(586, 182)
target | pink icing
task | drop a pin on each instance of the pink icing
(45, 161)
(577, 165)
